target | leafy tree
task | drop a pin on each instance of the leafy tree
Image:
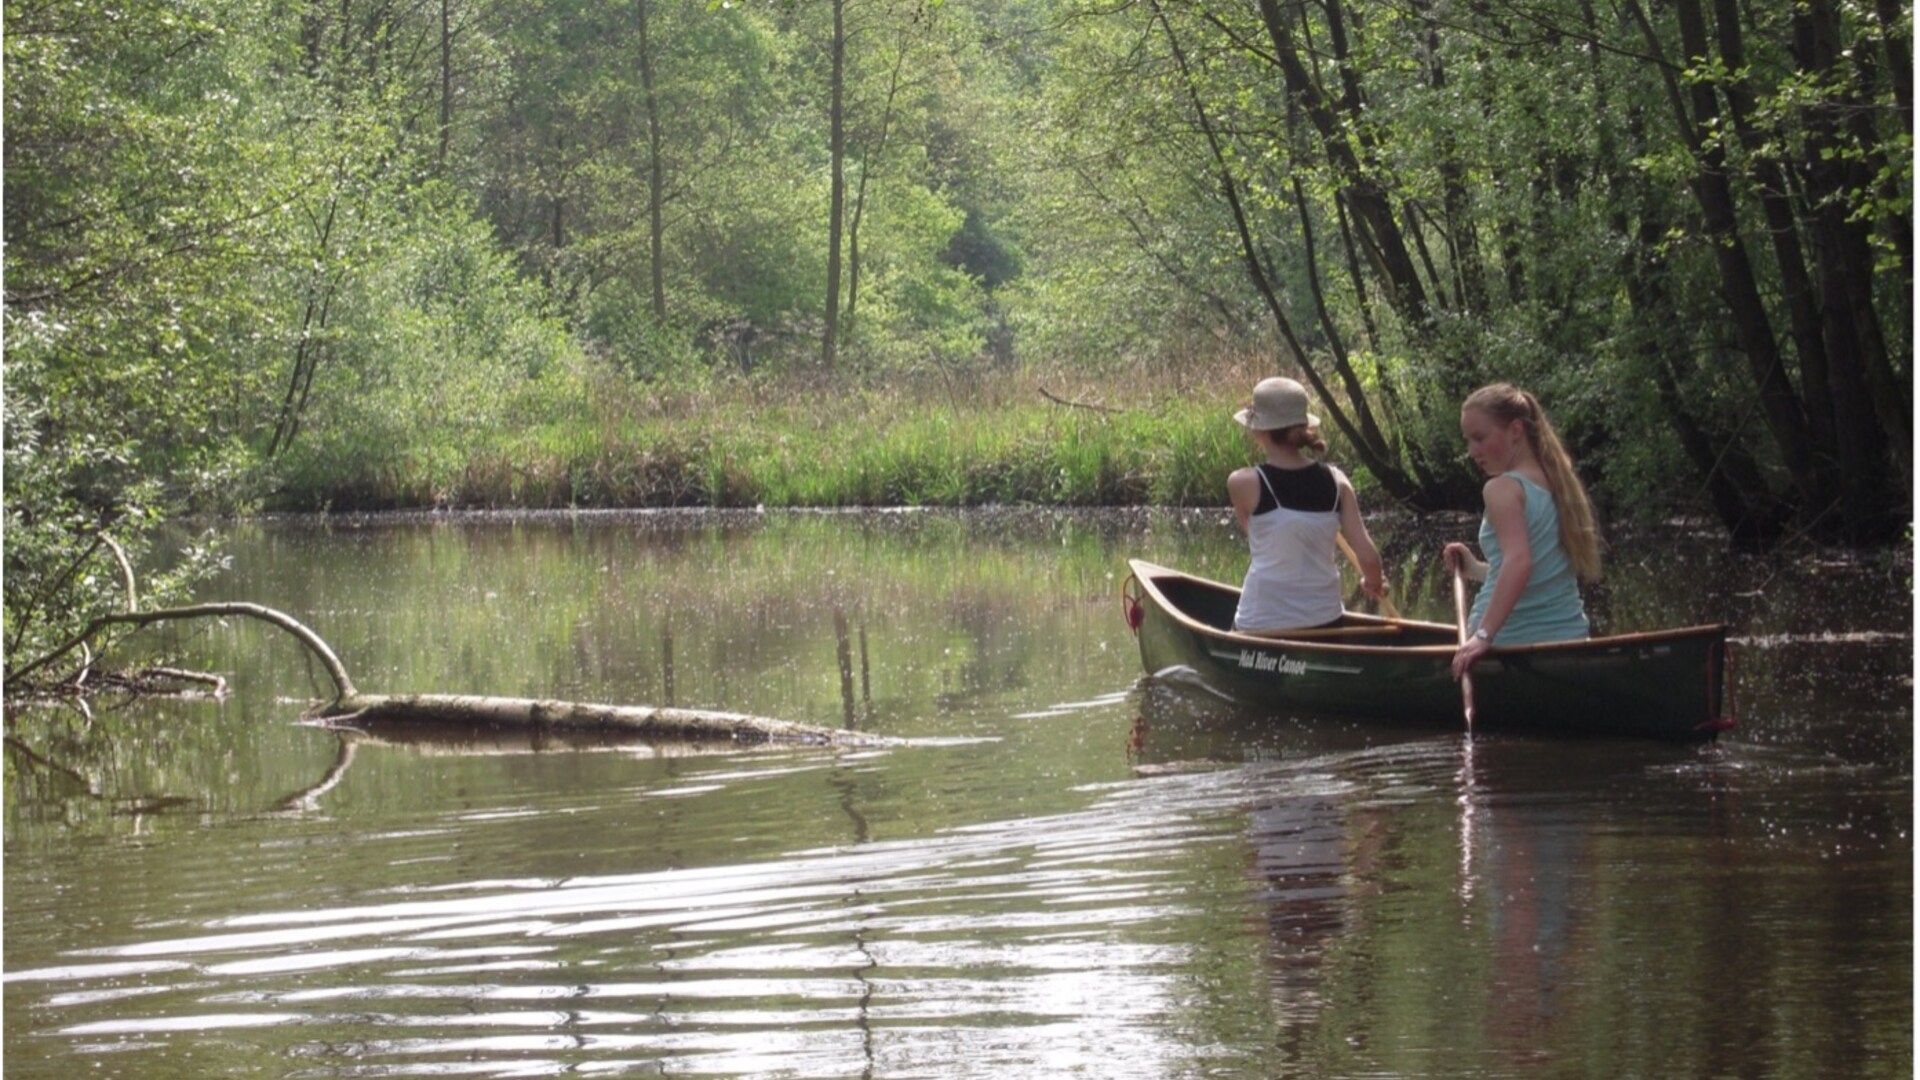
(144, 178)
(1423, 200)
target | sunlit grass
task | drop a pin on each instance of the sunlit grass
(1138, 438)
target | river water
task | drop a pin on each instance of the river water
(1065, 870)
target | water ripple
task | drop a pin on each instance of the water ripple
(995, 942)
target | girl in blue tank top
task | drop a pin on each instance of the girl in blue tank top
(1538, 531)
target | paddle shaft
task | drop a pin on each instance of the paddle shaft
(1460, 625)
(1386, 602)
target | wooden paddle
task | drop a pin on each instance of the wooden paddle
(1460, 625)
(1386, 602)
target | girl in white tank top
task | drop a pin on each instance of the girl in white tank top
(1291, 508)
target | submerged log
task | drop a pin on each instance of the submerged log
(348, 702)
(456, 739)
(544, 714)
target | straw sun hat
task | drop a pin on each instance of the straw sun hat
(1277, 403)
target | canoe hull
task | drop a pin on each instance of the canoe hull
(1668, 684)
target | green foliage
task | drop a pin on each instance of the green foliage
(958, 441)
(914, 308)
(353, 254)
(442, 346)
(143, 179)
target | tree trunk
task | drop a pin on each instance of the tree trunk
(1733, 482)
(548, 715)
(1739, 289)
(306, 354)
(1463, 239)
(1797, 289)
(1382, 239)
(1872, 416)
(1423, 478)
(1372, 453)
(656, 174)
(877, 150)
(446, 83)
(836, 185)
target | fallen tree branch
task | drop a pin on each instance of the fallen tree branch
(1048, 394)
(647, 721)
(161, 681)
(343, 685)
(218, 684)
(126, 570)
(540, 714)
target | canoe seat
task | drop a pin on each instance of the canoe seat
(1389, 630)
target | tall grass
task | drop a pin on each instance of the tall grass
(1136, 438)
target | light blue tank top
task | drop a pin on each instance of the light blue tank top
(1550, 609)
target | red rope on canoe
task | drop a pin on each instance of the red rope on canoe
(1135, 613)
(1727, 718)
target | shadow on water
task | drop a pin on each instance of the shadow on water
(1181, 723)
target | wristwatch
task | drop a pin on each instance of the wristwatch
(1483, 635)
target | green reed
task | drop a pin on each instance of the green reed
(995, 440)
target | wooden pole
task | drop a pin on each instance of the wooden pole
(1460, 625)
(1386, 602)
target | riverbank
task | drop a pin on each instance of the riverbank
(1136, 438)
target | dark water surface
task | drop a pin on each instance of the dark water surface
(1068, 872)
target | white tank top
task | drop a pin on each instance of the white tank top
(1293, 581)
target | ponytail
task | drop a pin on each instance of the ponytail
(1579, 531)
(1306, 437)
(1299, 437)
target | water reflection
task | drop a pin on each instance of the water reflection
(1596, 881)
(983, 944)
(1302, 861)
(1064, 874)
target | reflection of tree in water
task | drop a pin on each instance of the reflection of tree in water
(74, 757)
(1000, 656)
(844, 782)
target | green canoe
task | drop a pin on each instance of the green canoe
(1668, 684)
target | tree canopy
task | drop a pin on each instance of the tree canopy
(245, 238)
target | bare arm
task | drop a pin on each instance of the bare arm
(1507, 513)
(1373, 579)
(1243, 489)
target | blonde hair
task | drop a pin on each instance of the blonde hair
(1299, 436)
(1579, 532)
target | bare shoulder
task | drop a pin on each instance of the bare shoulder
(1504, 493)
